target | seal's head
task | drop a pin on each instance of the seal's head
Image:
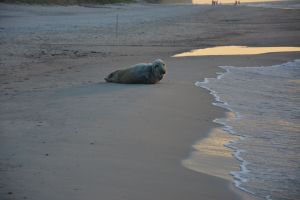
(112, 77)
(159, 68)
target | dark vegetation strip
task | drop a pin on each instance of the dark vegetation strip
(69, 2)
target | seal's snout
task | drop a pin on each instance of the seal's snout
(108, 78)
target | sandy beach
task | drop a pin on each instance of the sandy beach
(66, 134)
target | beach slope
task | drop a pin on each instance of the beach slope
(66, 134)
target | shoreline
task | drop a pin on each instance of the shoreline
(193, 162)
(213, 149)
(69, 135)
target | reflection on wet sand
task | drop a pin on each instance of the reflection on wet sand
(236, 50)
(211, 156)
(219, 1)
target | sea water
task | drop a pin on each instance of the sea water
(266, 103)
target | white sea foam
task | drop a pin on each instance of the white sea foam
(236, 152)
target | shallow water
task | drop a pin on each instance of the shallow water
(266, 101)
(289, 5)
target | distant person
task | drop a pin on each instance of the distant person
(214, 2)
(237, 2)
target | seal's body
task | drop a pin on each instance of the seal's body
(143, 73)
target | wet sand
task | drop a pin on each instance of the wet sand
(66, 134)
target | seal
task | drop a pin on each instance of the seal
(142, 73)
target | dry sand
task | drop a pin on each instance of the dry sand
(65, 134)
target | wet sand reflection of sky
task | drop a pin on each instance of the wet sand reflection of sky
(236, 50)
(220, 1)
(210, 156)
